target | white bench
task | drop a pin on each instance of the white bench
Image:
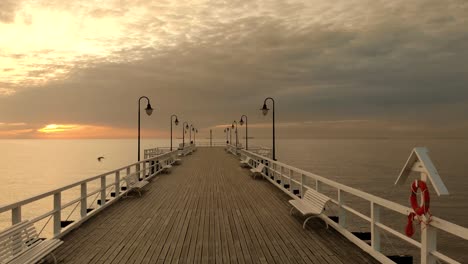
(257, 171)
(245, 163)
(166, 168)
(177, 161)
(133, 183)
(312, 204)
(20, 244)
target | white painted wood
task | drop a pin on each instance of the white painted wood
(428, 244)
(103, 190)
(84, 200)
(341, 211)
(117, 183)
(57, 213)
(375, 232)
(419, 161)
(302, 190)
(16, 215)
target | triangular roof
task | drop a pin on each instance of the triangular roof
(419, 161)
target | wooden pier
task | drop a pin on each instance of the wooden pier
(208, 210)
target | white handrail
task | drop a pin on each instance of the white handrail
(140, 168)
(429, 254)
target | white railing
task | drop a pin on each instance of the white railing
(259, 150)
(108, 187)
(214, 143)
(148, 153)
(279, 174)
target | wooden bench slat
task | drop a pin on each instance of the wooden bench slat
(313, 203)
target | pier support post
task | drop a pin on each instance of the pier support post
(375, 232)
(57, 213)
(16, 215)
(341, 211)
(103, 190)
(117, 183)
(84, 200)
(428, 244)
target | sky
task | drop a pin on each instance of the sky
(344, 68)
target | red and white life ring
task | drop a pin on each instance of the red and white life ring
(418, 209)
(424, 207)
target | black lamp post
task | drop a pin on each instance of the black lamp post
(230, 135)
(195, 131)
(176, 122)
(184, 127)
(190, 132)
(149, 111)
(265, 112)
(237, 138)
(226, 130)
(241, 122)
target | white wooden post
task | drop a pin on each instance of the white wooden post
(318, 186)
(117, 183)
(84, 200)
(341, 211)
(302, 184)
(16, 215)
(281, 175)
(144, 170)
(138, 172)
(57, 213)
(291, 173)
(375, 232)
(428, 244)
(103, 190)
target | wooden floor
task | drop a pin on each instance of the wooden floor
(208, 210)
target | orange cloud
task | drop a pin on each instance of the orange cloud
(69, 131)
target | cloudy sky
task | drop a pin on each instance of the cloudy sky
(345, 68)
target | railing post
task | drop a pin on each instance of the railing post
(281, 175)
(428, 243)
(57, 213)
(138, 172)
(103, 190)
(318, 186)
(341, 211)
(302, 184)
(291, 173)
(144, 170)
(375, 232)
(117, 183)
(84, 200)
(16, 215)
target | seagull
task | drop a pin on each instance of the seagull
(100, 158)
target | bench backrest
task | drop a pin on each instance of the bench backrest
(15, 239)
(132, 179)
(260, 167)
(315, 199)
(247, 159)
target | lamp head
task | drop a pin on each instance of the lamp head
(196, 130)
(241, 122)
(264, 109)
(176, 122)
(149, 109)
(186, 126)
(232, 126)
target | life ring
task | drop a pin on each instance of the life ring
(424, 207)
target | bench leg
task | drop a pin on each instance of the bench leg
(307, 219)
(291, 211)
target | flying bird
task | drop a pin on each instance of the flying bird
(100, 158)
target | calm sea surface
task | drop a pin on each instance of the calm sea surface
(29, 167)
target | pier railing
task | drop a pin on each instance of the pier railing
(70, 205)
(299, 181)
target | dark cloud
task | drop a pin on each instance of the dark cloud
(399, 61)
(7, 10)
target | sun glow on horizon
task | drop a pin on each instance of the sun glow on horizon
(54, 128)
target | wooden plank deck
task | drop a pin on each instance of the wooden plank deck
(208, 210)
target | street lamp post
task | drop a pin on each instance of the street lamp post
(230, 135)
(226, 130)
(149, 111)
(190, 132)
(176, 122)
(184, 127)
(237, 138)
(241, 122)
(265, 112)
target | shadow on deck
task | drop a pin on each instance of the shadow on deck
(208, 210)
